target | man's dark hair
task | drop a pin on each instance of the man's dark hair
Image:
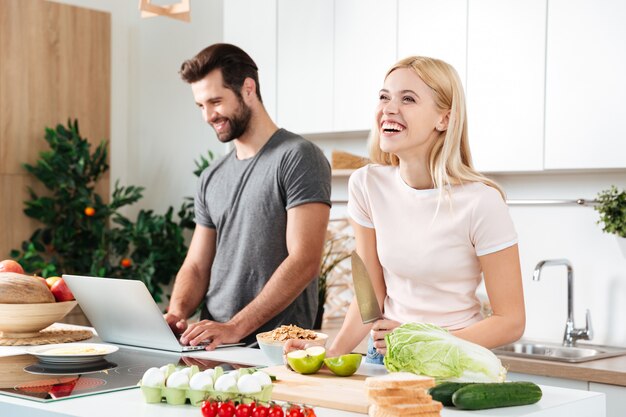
(232, 61)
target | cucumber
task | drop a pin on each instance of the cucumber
(443, 392)
(493, 395)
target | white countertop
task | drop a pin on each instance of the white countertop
(556, 402)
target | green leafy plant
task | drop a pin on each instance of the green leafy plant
(83, 234)
(336, 250)
(612, 208)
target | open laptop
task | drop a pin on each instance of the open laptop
(122, 311)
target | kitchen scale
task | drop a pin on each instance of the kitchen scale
(25, 377)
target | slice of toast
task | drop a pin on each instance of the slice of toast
(392, 400)
(399, 380)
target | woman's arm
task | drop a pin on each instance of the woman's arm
(503, 281)
(353, 330)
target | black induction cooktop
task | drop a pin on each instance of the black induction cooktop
(25, 377)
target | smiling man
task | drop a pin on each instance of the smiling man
(261, 213)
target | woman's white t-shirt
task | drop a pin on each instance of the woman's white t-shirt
(429, 245)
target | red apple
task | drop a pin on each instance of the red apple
(9, 265)
(61, 291)
(51, 280)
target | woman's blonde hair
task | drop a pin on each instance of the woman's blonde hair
(450, 160)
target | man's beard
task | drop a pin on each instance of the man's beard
(237, 123)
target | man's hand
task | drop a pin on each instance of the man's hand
(176, 323)
(378, 332)
(207, 330)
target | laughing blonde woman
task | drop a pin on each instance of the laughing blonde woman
(428, 226)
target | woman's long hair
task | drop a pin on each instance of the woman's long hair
(450, 161)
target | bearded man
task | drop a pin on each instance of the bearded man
(261, 213)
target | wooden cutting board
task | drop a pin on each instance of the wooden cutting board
(322, 389)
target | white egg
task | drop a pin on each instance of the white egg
(234, 373)
(153, 377)
(186, 371)
(177, 379)
(201, 381)
(225, 383)
(210, 372)
(263, 378)
(248, 384)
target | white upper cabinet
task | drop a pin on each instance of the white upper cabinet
(305, 65)
(365, 48)
(434, 28)
(586, 85)
(505, 83)
(251, 25)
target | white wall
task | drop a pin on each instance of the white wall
(156, 129)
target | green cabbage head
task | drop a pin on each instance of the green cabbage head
(427, 349)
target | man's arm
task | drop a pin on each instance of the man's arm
(306, 231)
(192, 279)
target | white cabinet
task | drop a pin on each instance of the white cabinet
(305, 65)
(585, 84)
(251, 25)
(505, 83)
(435, 28)
(548, 380)
(365, 48)
(615, 398)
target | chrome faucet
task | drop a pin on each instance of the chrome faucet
(571, 334)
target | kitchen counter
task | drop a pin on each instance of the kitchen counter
(556, 402)
(605, 371)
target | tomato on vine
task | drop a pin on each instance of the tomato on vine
(226, 409)
(243, 410)
(308, 412)
(295, 411)
(276, 411)
(209, 408)
(260, 411)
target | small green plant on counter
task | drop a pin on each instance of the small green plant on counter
(83, 234)
(612, 208)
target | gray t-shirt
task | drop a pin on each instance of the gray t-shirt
(246, 202)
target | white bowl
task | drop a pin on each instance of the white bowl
(273, 349)
(25, 320)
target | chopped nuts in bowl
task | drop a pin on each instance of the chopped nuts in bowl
(271, 343)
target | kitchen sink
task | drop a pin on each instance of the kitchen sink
(557, 352)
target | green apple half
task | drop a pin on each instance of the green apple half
(344, 365)
(307, 361)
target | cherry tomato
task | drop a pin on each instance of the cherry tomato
(243, 410)
(295, 411)
(226, 409)
(276, 411)
(209, 409)
(308, 412)
(260, 411)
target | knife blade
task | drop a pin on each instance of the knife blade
(365, 295)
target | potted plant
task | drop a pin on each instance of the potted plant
(337, 248)
(612, 208)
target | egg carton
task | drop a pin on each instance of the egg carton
(180, 395)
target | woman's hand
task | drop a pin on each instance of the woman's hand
(378, 332)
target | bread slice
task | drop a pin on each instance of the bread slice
(376, 411)
(397, 392)
(404, 409)
(399, 380)
(399, 399)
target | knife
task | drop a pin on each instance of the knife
(365, 295)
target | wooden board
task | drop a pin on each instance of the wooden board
(322, 389)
